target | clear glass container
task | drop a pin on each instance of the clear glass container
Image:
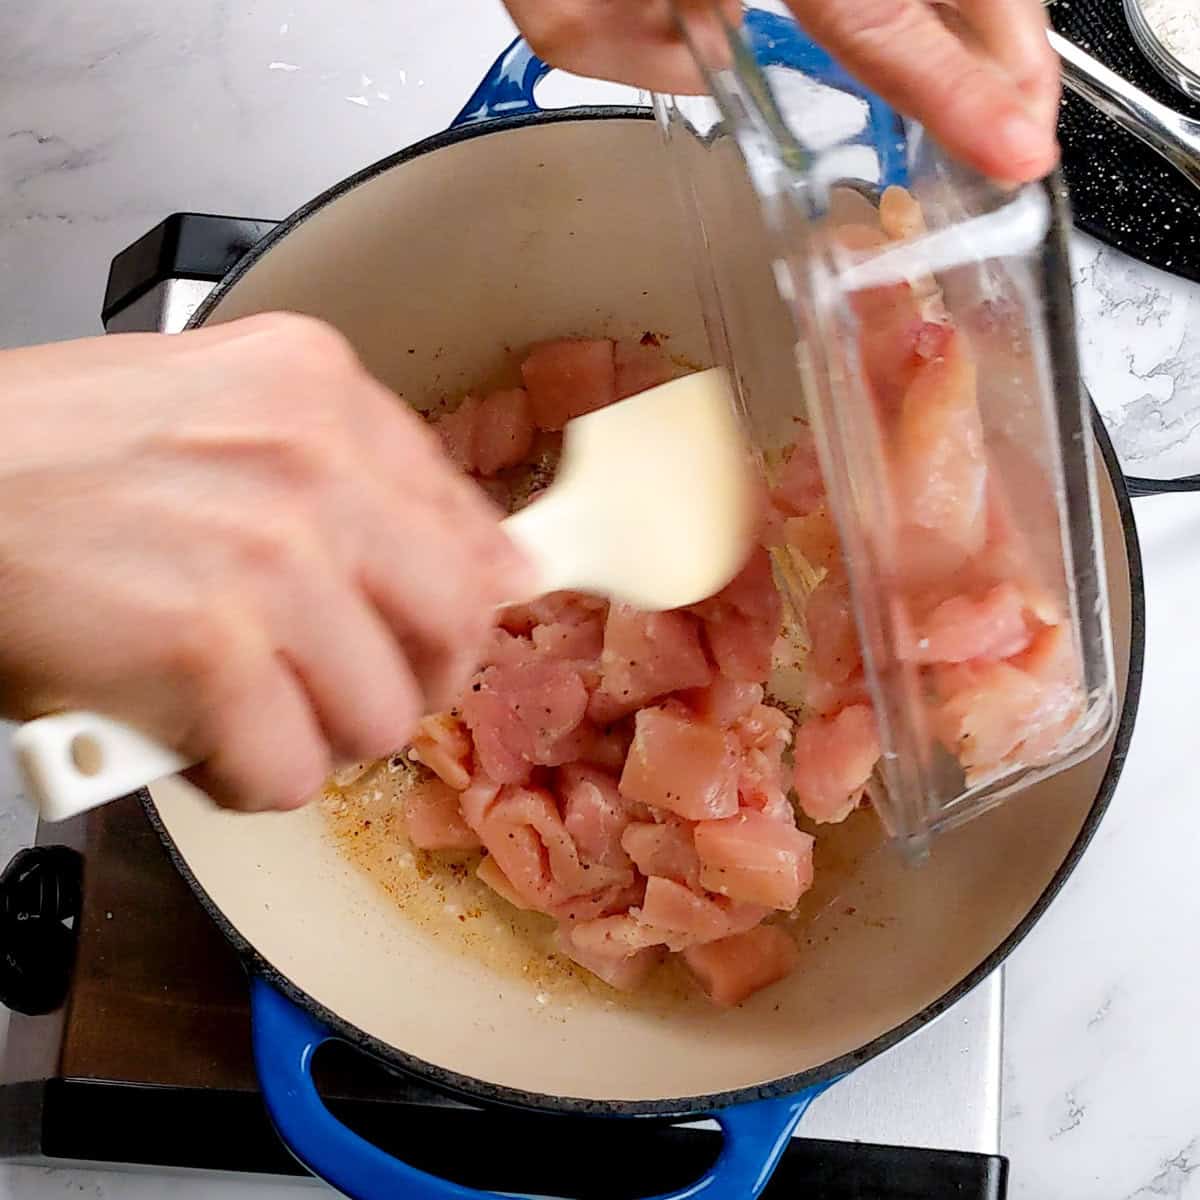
(907, 325)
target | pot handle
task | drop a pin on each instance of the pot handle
(286, 1038)
(507, 89)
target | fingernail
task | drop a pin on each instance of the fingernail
(1022, 141)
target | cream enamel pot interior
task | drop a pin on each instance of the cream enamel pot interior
(497, 234)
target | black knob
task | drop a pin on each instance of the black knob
(43, 881)
(40, 891)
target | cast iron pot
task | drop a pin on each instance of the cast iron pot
(513, 226)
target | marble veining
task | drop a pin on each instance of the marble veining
(113, 115)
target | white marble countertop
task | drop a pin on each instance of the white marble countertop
(113, 115)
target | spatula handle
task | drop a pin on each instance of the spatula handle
(76, 761)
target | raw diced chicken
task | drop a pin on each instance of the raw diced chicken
(643, 365)
(503, 431)
(891, 321)
(685, 766)
(988, 714)
(434, 819)
(801, 486)
(734, 968)
(669, 905)
(1008, 557)
(500, 883)
(595, 815)
(624, 972)
(1052, 661)
(831, 629)
(525, 834)
(1018, 710)
(724, 701)
(579, 641)
(941, 465)
(761, 787)
(994, 626)
(517, 714)
(505, 649)
(741, 917)
(568, 378)
(815, 538)
(616, 937)
(900, 214)
(765, 728)
(613, 900)
(752, 593)
(443, 744)
(521, 857)
(667, 849)
(833, 759)
(459, 433)
(698, 842)
(740, 646)
(825, 697)
(742, 622)
(755, 860)
(478, 800)
(591, 746)
(646, 655)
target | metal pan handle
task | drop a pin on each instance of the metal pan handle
(286, 1039)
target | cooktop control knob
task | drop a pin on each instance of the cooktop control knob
(39, 904)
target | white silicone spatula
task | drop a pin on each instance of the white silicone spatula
(652, 505)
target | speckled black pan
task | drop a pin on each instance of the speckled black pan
(1123, 192)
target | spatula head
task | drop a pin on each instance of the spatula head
(654, 500)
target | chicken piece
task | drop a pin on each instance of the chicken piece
(671, 906)
(826, 698)
(940, 457)
(800, 488)
(815, 538)
(681, 765)
(595, 815)
(645, 656)
(518, 713)
(900, 215)
(459, 431)
(568, 378)
(642, 365)
(443, 744)
(724, 702)
(625, 972)
(433, 818)
(575, 641)
(667, 849)
(990, 711)
(990, 627)
(833, 759)
(503, 431)
(743, 620)
(489, 872)
(754, 859)
(832, 630)
(525, 834)
(734, 968)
